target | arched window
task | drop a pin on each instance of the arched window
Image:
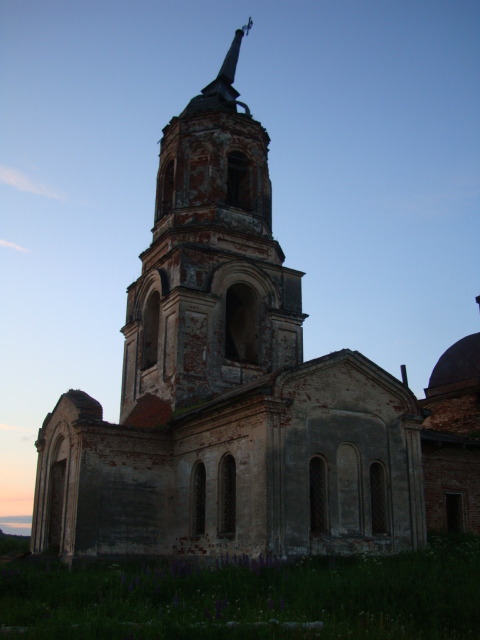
(378, 495)
(199, 493)
(238, 181)
(167, 199)
(242, 324)
(318, 496)
(150, 330)
(228, 496)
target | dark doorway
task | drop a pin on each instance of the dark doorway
(57, 490)
(454, 505)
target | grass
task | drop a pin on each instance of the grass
(431, 594)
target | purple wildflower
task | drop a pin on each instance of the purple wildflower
(123, 577)
(282, 604)
(270, 604)
(217, 609)
(175, 600)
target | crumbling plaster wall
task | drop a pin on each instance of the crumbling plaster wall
(338, 404)
(124, 502)
(238, 430)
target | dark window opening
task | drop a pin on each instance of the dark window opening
(454, 506)
(199, 496)
(228, 496)
(151, 330)
(318, 496)
(379, 498)
(238, 181)
(167, 200)
(241, 324)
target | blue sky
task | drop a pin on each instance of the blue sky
(372, 108)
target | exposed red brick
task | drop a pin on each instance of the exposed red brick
(149, 412)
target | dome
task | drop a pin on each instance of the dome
(459, 363)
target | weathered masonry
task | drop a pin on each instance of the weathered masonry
(451, 439)
(227, 440)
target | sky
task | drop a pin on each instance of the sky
(372, 107)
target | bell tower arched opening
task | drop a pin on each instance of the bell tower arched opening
(238, 181)
(242, 324)
(150, 330)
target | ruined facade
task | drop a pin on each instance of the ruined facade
(451, 439)
(227, 441)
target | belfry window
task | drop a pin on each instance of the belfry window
(151, 330)
(238, 181)
(228, 496)
(378, 497)
(241, 324)
(318, 496)
(167, 199)
(199, 494)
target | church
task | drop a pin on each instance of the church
(227, 441)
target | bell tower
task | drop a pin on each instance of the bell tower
(213, 308)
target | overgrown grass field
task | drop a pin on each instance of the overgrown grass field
(430, 594)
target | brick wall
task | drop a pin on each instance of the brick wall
(451, 469)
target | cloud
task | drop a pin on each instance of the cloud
(16, 179)
(16, 519)
(8, 427)
(11, 245)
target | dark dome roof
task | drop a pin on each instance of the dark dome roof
(460, 362)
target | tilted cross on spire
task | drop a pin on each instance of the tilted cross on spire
(220, 93)
(223, 83)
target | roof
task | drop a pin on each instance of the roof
(431, 435)
(459, 363)
(220, 94)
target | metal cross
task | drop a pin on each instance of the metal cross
(246, 27)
